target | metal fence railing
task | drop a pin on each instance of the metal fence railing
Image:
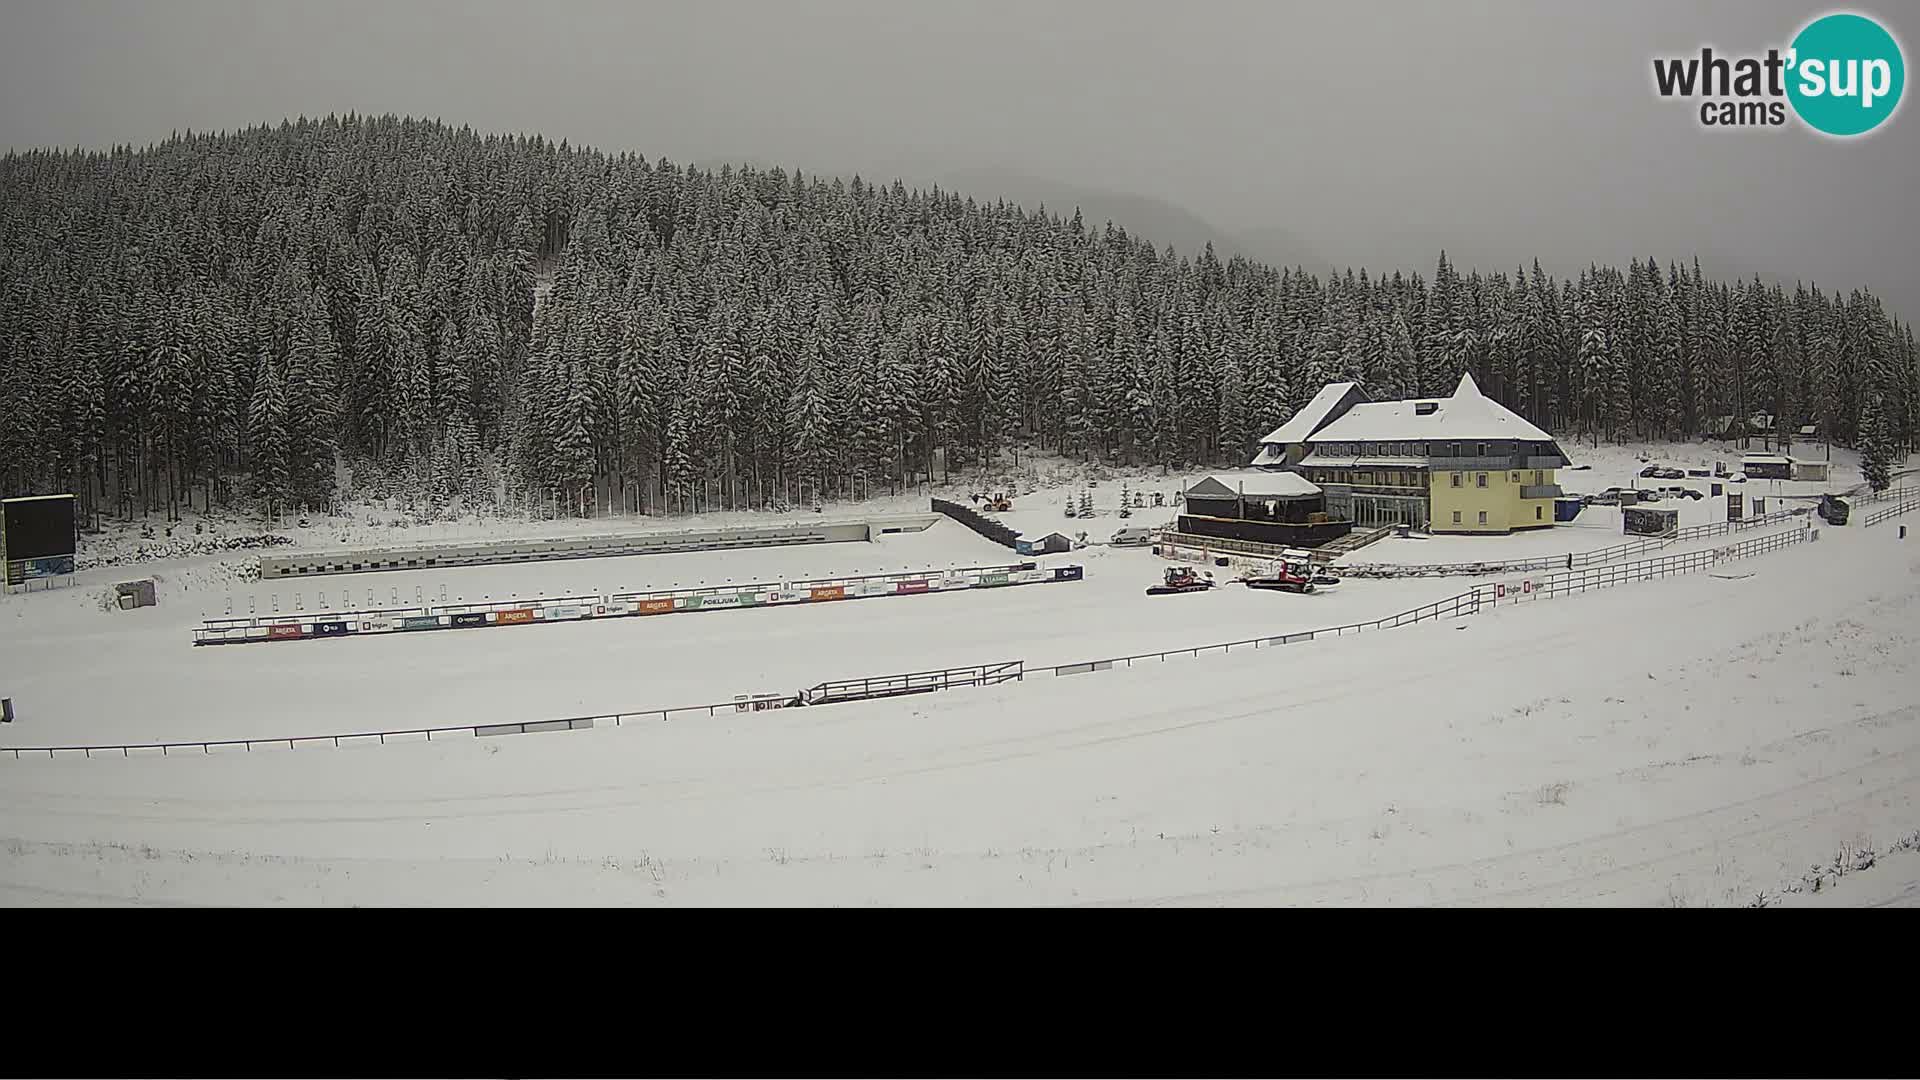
(1466, 603)
(427, 734)
(1723, 528)
(1569, 561)
(1602, 577)
(917, 682)
(1888, 512)
(1901, 494)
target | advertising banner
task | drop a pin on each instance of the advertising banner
(829, 592)
(517, 615)
(420, 622)
(470, 618)
(910, 586)
(659, 606)
(284, 632)
(21, 571)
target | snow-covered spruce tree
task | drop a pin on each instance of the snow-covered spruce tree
(1876, 444)
(423, 245)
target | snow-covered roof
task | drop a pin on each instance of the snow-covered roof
(1312, 415)
(1270, 454)
(1768, 459)
(1266, 484)
(1468, 414)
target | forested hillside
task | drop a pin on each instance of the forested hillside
(227, 318)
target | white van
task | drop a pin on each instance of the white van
(1134, 536)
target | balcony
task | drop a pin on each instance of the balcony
(1502, 463)
(1541, 491)
(1546, 463)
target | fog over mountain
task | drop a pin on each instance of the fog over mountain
(1363, 133)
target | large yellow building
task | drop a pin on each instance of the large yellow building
(1459, 464)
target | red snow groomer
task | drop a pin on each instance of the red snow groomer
(1289, 575)
(1181, 579)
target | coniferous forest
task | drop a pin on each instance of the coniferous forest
(231, 320)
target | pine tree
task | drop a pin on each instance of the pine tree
(1876, 445)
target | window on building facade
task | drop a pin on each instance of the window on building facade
(1483, 451)
(1536, 513)
(1536, 476)
(1456, 517)
(1481, 481)
(1483, 517)
(1516, 478)
(1456, 479)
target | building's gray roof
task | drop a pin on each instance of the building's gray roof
(1468, 414)
(1300, 427)
(1267, 484)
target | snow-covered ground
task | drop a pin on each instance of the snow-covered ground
(83, 675)
(1698, 741)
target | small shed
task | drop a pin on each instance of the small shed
(134, 594)
(1767, 467)
(1816, 471)
(1043, 545)
(1649, 520)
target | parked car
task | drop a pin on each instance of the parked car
(1650, 472)
(1833, 511)
(1133, 536)
(1737, 478)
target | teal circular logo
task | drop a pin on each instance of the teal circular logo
(1846, 76)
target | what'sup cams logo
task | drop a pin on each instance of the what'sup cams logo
(1842, 76)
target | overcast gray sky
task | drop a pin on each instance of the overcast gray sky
(1364, 133)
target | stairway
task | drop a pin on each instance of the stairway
(1354, 541)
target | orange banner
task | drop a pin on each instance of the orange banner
(831, 592)
(656, 607)
(514, 616)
